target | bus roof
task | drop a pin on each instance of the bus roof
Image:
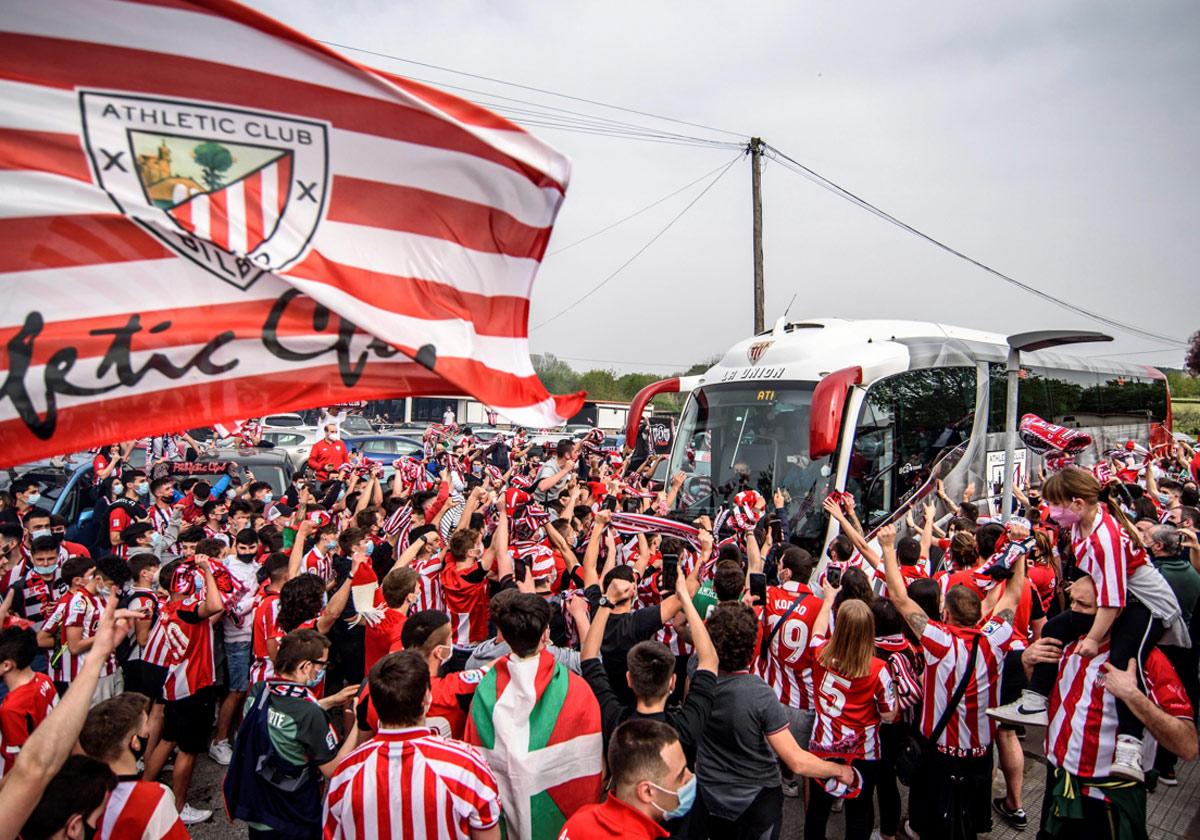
(811, 349)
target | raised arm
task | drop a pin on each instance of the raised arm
(1006, 607)
(860, 543)
(706, 653)
(907, 607)
(294, 562)
(591, 554)
(927, 530)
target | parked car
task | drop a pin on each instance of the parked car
(356, 425)
(283, 421)
(269, 465)
(385, 448)
(297, 443)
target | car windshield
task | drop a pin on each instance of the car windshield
(738, 437)
(284, 438)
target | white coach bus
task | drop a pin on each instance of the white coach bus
(880, 409)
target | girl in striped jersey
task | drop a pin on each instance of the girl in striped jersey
(1136, 608)
(854, 695)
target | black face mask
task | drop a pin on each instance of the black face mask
(139, 749)
(89, 831)
(246, 557)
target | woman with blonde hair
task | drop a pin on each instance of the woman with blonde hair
(854, 694)
(1136, 608)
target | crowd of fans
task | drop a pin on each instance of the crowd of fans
(484, 638)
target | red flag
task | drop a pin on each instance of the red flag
(205, 215)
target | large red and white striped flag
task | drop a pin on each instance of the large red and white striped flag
(205, 215)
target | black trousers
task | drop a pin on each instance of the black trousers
(859, 811)
(1132, 636)
(951, 798)
(759, 821)
(890, 737)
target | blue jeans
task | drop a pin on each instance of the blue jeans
(237, 663)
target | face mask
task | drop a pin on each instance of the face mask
(33, 499)
(155, 538)
(316, 681)
(268, 498)
(118, 488)
(686, 794)
(104, 591)
(331, 545)
(230, 493)
(369, 549)
(45, 571)
(139, 747)
(39, 533)
(246, 556)
(89, 831)
(1164, 498)
(142, 489)
(1064, 516)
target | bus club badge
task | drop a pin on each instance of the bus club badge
(756, 350)
(238, 193)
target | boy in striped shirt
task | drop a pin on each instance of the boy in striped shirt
(71, 628)
(407, 782)
(116, 732)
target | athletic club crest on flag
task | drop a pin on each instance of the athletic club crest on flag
(237, 192)
(755, 351)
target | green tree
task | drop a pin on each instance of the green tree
(214, 159)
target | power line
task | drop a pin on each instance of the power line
(635, 213)
(533, 89)
(643, 249)
(822, 181)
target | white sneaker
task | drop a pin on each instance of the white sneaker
(221, 752)
(1127, 764)
(791, 788)
(1029, 710)
(191, 816)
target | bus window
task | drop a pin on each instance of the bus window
(907, 421)
(1079, 398)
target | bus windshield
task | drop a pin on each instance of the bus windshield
(737, 437)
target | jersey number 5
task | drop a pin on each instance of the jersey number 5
(833, 696)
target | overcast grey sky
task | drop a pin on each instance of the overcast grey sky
(1056, 141)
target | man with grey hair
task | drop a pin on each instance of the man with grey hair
(1173, 561)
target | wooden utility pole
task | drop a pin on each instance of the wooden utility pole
(756, 145)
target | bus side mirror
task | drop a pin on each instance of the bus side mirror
(828, 407)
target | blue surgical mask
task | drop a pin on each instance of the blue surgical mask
(687, 797)
(370, 549)
(268, 498)
(1164, 498)
(33, 498)
(142, 489)
(155, 538)
(230, 493)
(316, 681)
(46, 571)
(40, 532)
(331, 545)
(118, 488)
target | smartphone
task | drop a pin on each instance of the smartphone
(833, 574)
(519, 566)
(776, 531)
(670, 573)
(610, 503)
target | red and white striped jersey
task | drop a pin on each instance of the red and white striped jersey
(1082, 735)
(429, 584)
(264, 629)
(411, 783)
(193, 669)
(152, 603)
(22, 711)
(1107, 556)
(317, 563)
(947, 649)
(849, 709)
(788, 665)
(160, 517)
(141, 811)
(74, 609)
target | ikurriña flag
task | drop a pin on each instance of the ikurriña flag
(538, 726)
(205, 215)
